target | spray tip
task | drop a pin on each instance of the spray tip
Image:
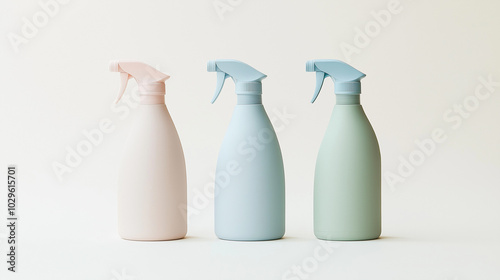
(211, 67)
(310, 66)
(113, 66)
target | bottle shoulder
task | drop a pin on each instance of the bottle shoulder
(349, 125)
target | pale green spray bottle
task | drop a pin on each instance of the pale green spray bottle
(347, 181)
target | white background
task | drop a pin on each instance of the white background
(441, 222)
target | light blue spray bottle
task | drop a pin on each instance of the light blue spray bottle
(249, 180)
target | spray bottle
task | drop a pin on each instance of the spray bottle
(152, 176)
(250, 183)
(347, 193)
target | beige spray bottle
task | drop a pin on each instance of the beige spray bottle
(152, 176)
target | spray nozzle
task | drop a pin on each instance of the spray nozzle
(346, 78)
(150, 80)
(246, 78)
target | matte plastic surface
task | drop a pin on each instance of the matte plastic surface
(347, 183)
(250, 183)
(152, 179)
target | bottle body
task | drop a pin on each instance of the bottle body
(250, 184)
(347, 184)
(152, 192)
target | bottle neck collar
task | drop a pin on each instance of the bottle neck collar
(147, 99)
(249, 99)
(347, 99)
